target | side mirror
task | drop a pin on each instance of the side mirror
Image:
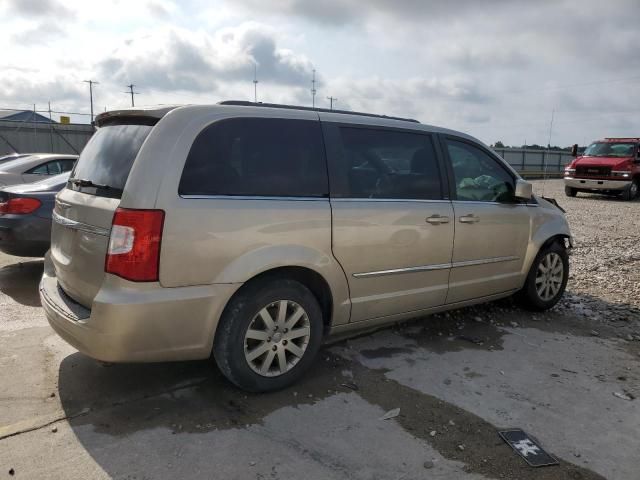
(574, 150)
(524, 190)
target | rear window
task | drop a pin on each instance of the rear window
(257, 157)
(107, 159)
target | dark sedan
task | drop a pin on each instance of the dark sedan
(25, 216)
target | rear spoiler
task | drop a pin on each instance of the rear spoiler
(144, 116)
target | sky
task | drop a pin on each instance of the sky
(496, 69)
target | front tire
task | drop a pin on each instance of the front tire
(570, 191)
(268, 334)
(631, 191)
(547, 278)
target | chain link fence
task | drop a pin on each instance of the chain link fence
(36, 131)
(536, 163)
(45, 136)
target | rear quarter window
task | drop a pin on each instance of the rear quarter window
(108, 157)
(257, 157)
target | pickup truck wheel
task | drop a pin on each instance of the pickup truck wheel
(570, 192)
(547, 278)
(631, 191)
(268, 334)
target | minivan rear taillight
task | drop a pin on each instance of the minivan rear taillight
(134, 244)
(20, 206)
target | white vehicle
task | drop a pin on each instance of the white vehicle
(35, 167)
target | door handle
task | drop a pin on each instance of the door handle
(471, 218)
(437, 219)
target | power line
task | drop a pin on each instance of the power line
(43, 111)
(331, 100)
(132, 93)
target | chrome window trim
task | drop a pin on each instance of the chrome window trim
(441, 266)
(375, 200)
(253, 197)
(83, 227)
(480, 202)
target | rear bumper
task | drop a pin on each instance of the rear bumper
(24, 235)
(150, 324)
(594, 184)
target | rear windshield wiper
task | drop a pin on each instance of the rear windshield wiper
(81, 182)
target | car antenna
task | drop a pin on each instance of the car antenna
(546, 163)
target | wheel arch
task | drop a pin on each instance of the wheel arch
(308, 277)
(552, 229)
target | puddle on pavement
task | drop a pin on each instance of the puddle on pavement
(190, 397)
(207, 403)
(384, 352)
(193, 397)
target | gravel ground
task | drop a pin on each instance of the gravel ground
(604, 282)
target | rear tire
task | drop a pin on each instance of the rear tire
(631, 191)
(570, 192)
(268, 335)
(547, 278)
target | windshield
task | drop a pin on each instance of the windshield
(610, 149)
(108, 158)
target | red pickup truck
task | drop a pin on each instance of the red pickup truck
(610, 166)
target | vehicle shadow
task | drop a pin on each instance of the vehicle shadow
(609, 198)
(20, 282)
(147, 420)
(193, 395)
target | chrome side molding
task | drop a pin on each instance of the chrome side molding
(441, 266)
(82, 227)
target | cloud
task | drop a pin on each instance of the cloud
(41, 33)
(160, 9)
(29, 90)
(196, 61)
(341, 12)
(40, 9)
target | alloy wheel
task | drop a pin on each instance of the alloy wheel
(277, 338)
(549, 276)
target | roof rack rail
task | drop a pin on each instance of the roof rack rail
(244, 103)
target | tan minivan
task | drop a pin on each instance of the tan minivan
(250, 232)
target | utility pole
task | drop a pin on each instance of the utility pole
(132, 93)
(331, 100)
(35, 130)
(255, 83)
(91, 84)
(51, 128)
(313, 89)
